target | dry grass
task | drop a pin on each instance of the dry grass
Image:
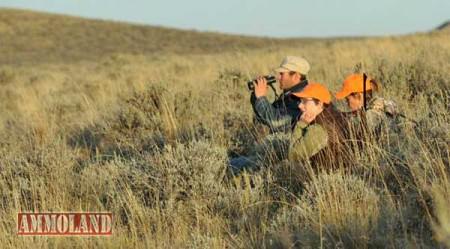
(147, 135)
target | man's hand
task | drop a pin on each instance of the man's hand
(260, 87)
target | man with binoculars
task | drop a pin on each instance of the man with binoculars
(280, 116)
(283, 113)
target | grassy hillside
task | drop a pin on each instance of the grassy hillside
(140, 121)
(37, 37)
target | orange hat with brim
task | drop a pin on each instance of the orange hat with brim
(316, 91)
(354, 83)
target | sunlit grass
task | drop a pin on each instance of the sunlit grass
(147, 136)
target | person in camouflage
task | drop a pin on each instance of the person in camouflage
(374, 122)
(316, 137)
(369, 114)
(281, 115)
(379, 132)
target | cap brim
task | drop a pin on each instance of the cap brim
(281, 70)
(342, 94)
(300, 94)
(306, 95)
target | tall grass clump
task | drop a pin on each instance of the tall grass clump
(334, 210)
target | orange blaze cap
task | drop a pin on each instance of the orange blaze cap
(315, 90)
(354, 83)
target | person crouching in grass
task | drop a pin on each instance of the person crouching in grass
(317, 136)
(370, 116)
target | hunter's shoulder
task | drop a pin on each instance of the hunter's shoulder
(383, 105)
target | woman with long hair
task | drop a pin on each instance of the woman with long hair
(319, 135)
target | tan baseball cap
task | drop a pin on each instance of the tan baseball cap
(294, 64)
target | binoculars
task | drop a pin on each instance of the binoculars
(269, 78)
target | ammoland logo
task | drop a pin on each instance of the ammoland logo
(67, 224)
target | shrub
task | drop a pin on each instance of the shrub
(334, 210)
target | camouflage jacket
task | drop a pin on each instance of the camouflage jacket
(383, 125)
(382, 119)
(282, 114)
(381, 111)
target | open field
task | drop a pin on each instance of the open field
(140, 121)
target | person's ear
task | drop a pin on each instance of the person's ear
(375, 86)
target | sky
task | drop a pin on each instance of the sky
(273, 18)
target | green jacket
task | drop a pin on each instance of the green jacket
(307, 140)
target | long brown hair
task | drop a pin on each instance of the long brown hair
(334, 155)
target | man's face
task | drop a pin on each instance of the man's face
(354, 101)
(288, 80)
